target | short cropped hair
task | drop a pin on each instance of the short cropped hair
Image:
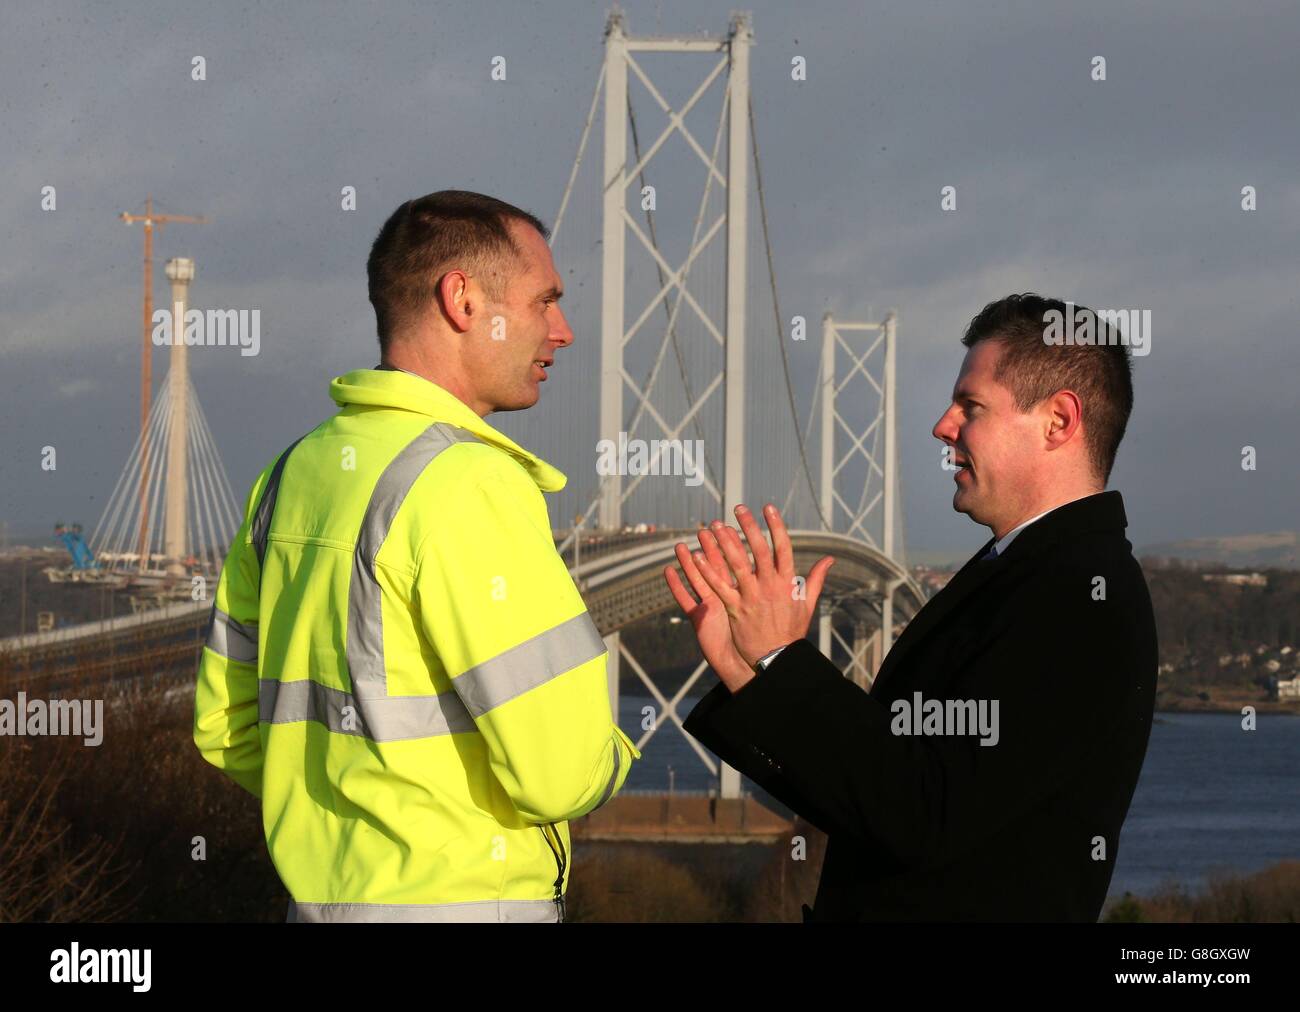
(425, 238)
(1033, 368)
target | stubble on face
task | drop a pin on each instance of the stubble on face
(990, 436)
(520, 335)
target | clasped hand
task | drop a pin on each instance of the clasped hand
(744, 611)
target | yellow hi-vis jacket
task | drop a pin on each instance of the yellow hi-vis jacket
(400, 667)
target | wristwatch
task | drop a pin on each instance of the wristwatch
(762, 663)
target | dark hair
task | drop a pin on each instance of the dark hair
(428, 236)
(1034, 368)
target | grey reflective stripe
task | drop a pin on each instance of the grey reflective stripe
(365, 642)
(232, 639)
(391, 718)
(530, 664)
(613, 777)
(368, 711)
(261, 526)
(531, 911)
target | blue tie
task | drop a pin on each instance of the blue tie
(992, 553)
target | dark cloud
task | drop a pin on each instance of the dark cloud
(1123, 193)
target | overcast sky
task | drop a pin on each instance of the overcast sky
(1123, 194)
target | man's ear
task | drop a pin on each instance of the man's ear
(1064, 418)
(458, 303)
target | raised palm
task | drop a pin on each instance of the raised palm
(708, 617)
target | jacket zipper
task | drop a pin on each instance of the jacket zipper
(561, 860)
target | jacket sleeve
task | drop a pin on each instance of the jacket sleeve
(927, 798)
(500, 610)
(225, 697)
(746, 758)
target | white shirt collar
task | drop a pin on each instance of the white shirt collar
(1003, 543)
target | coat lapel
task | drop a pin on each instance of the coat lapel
(964, 582)
(1101, 511)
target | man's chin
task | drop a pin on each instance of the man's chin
(522, 400)
(961, 503)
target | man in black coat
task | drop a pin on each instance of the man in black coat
(987, 773)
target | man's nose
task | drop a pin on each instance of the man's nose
(945, 429)
(560, 332)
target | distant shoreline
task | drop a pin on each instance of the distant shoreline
(1271, 707)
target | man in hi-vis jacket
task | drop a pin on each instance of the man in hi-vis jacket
(398, 664)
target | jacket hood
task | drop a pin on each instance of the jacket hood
(397, 389)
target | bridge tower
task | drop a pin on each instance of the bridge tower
(180, 271)
(860, 356)
(618, 175)
(189, 514)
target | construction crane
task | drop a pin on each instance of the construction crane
(150, 220)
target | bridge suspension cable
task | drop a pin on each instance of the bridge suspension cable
(776, 307)
(214, 516)
(577, 162)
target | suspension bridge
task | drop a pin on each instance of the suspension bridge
(694, 344)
